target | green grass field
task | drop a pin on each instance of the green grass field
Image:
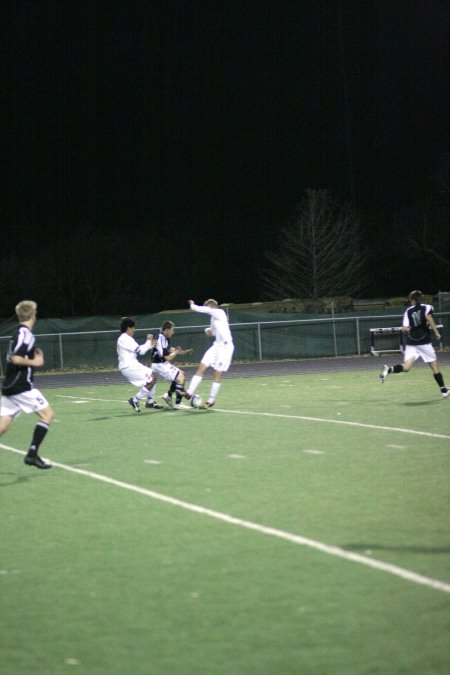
(268, 536)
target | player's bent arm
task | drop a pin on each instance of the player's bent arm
(143, 349)
(433, 326)
(172, 354)
(36, 362)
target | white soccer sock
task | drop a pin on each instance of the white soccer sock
(143, 392)
(214, 391)
(151, 393)
(194, 384)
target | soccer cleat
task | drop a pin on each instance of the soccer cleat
(384, 373)
(36, 461)
(154, 405)
(168, 399)
(134, 405)
(445, 392)
(207, 405)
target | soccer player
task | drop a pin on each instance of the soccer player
(18, 392)
(219, 355)
(418, 322)
(162, 356)
(135, 372)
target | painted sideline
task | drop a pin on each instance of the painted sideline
(402, 430)
(262, 529)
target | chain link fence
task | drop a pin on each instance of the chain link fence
(254, 340)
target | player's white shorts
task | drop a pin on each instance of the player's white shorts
(219, 356)
(28, 402)
(138, 374)
(425, 352)
(166, 370)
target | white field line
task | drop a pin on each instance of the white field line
(261, 529)
(402, 430)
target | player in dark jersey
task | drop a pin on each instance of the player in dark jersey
(18, 392)
(418, 322)
(162, 357)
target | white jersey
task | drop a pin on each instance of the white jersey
(128, 350)
(219, 323)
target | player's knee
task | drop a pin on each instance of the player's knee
(5, 423)
(47, 415)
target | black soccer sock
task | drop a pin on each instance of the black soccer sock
(397, 369)
(40, 430)
(179, 388)
(172, 387)
(439, 379)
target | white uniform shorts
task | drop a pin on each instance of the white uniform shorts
(28, 402)
(425, 352)
(166, 370)
(219, 356)
(138, 374)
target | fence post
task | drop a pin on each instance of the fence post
(334, 330)
(358, 338)
(61, 358)
(259, 341)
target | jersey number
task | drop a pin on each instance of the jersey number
(416, 318)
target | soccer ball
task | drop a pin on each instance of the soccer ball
(196, 401)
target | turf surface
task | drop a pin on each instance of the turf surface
(183, 577)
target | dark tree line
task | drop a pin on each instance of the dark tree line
(324, 249)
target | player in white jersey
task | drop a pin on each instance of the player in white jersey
(135, 372)
(219, 355)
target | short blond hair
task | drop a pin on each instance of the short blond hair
(415, 296)
(209, 302)
(25, 309)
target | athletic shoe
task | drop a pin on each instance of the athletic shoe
(384, 373)
(207, 405)
(36, 461)
(445, 392)
(134, 405)
(153, 404)
(168, 399)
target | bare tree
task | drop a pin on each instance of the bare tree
(422, 231)
(424, 237)
(319, 254)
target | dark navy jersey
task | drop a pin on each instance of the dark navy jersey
(19, 378)
(419, 329)
(161, 350)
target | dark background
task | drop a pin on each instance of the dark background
(153, 150)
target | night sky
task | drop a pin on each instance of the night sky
(184, 132)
